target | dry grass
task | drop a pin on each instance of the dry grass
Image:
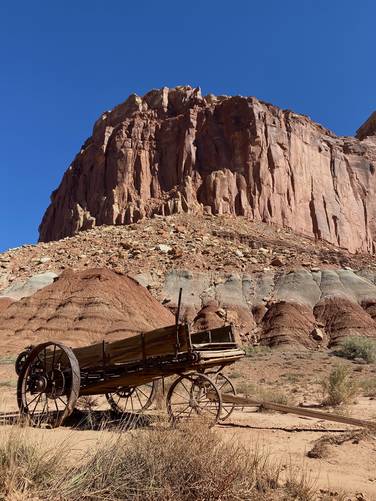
(261, 393)
(27, 466)
(7, 359)
(252, 351)
(160, 464)
(8, 383)
(338, 388)
(300, 485)
(369, 387)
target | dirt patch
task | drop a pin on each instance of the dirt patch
(81, 308)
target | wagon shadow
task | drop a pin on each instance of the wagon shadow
(106, 420)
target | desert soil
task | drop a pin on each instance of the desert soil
(294, 376)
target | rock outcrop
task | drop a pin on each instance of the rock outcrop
(81, 308)
(277, 287)
(174, 150)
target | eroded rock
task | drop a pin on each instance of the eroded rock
(174, 151)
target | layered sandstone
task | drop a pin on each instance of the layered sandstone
(81, 308)
(174, 150)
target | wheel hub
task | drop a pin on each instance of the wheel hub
(125, 393)
(56, 384)
(40, 383)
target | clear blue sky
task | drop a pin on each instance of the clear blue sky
(63, 63)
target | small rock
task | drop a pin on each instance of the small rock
(42, 260)
(177, 252)
(317, 334)
(277, 261)
(125, 245)
(221, 312)
(360, 361)
(164, 248)
(239, 253)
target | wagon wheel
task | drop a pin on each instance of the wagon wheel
(20, 360)
(133, 398)
(225, 387)
(194, 396)
(48, 385)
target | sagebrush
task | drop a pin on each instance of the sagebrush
(339, 388)
(357, 348)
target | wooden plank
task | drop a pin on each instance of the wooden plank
(299, 411)
(159, 342)
(220, 354)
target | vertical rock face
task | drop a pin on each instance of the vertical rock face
(173, 151)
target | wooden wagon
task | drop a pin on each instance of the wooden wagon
(53, 376)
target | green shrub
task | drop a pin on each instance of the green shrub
(338, 388)
(358, 347)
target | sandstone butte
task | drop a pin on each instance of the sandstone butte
(174, 150)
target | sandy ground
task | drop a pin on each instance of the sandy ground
(349, 467)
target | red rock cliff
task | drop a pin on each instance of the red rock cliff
(173, 150)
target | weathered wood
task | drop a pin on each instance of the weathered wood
(299, 411)
(219, 354)
(159, 342)
(142, 358)
(149, 374)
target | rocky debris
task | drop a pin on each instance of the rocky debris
(81, 308)
(174, 151)
(216, 245)
(224, 261)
